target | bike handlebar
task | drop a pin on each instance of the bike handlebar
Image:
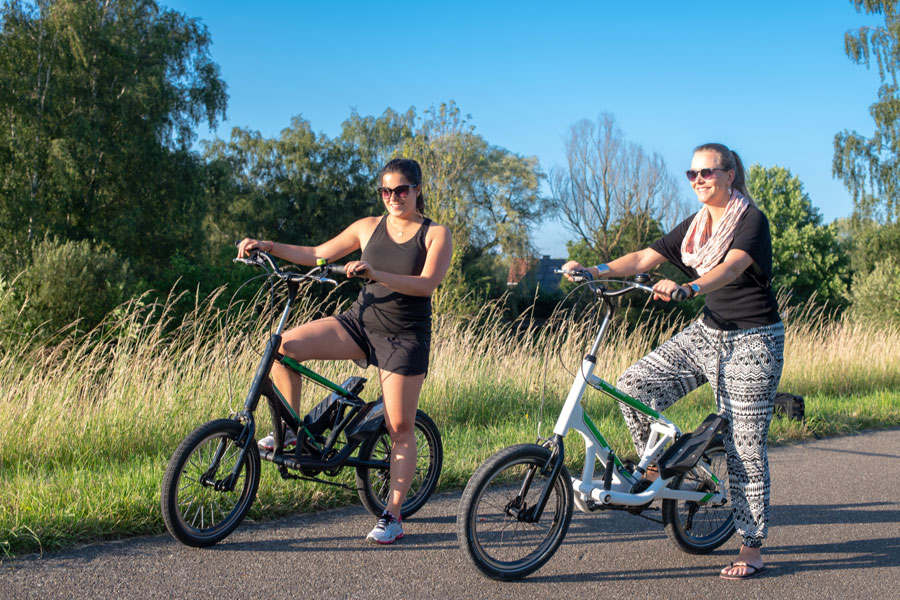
(640, 283)
(318, 273)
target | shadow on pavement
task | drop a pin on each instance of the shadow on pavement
(834, 514)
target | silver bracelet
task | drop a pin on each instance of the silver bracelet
(601, 269)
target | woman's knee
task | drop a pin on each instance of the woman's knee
(400, 429)
(629, 379)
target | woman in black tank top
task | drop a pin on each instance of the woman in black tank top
(404, 258)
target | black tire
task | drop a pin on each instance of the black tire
(496, 542)
(695, 527)
(195, 513)
(373, 485)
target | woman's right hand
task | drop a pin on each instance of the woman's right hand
(572, 265)
(246, 245)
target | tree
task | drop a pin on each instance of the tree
(876, 294)
(98, 101)
(870, 166)
(299, 188)
(868, 242)
(807, 257)
(612, 195)
(376, 140)
(68, 282)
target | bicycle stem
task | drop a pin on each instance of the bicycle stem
(272, 348)
(583, 376)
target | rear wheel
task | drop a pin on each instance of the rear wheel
(701, 527)
(197, 508)
(373, 485)
(495, 524)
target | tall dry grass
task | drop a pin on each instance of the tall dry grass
(89, 423)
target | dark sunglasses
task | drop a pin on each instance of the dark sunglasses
(402, 191)
(703, 173)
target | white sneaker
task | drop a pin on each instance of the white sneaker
(387, 530)
(268, 442)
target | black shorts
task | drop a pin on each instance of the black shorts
(395, 355)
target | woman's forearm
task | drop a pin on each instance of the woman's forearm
(300, 255)
(735, 263)
(411, 285)
(630, 264)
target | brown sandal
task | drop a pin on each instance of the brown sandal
(652, 473)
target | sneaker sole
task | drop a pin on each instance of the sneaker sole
(385, 543)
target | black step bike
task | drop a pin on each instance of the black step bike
(212, 478)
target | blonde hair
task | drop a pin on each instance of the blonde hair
(730, 161)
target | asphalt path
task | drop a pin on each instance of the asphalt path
(835, 533)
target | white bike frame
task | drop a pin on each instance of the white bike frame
(589, 490)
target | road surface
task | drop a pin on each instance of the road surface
(835, 533)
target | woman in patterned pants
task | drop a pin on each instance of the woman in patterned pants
(737, 346)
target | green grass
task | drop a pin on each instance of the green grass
(89, 425)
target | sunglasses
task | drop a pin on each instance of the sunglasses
(703, 173)
(402, 191)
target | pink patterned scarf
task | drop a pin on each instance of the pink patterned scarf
(704, 249)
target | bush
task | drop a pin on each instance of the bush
(66, 282)
(876, 295)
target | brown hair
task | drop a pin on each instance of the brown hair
(413, 173)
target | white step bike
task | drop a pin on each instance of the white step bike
(516, 508)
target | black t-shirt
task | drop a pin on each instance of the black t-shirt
(748, 301)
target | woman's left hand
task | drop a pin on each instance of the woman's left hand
(665, 288)
(359, 268)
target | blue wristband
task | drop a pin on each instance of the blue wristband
(601, 269)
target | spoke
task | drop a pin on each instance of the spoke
(193, 521)
(189, 501)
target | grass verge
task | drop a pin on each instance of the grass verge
(89, 424)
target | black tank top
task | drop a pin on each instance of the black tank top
(380, 308)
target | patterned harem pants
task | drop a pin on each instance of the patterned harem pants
(743, 367)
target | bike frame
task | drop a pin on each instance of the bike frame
(615, 489)
(366, 418)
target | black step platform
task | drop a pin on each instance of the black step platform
(685, 453)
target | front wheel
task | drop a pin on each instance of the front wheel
(200, 505)
(495, 523)
(374, 485)
(701, 527)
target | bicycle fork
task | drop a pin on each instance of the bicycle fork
(246, 417)
(518, 508)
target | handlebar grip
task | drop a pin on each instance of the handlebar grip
(679, 295)
(577, 274)
(339, 269)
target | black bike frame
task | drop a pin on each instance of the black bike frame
(281, 410)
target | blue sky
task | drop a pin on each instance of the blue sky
(768, 78)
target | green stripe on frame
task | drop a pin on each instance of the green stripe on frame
(309, 435)
(616, 394)
(594, 430)
(284, 401)
(295, 366)
(590, 425)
